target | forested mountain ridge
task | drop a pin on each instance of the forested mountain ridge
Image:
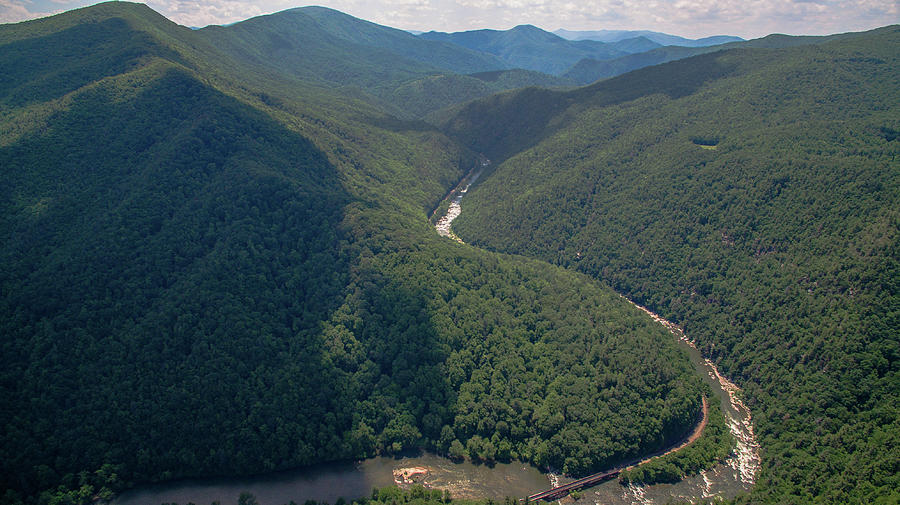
(330, 48)
(589, 70)
(530, 47)
(445, 56)
(215, 270)
(749, 195)
(663, 39)
(335, 41)
(520, 119)
(585, 57)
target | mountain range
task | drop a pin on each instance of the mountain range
(214, 265)
(590, 70)
(218, 258)
(531, 48)
(662, 39)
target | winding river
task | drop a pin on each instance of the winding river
(351, 480)
(725, 480)
(735, 475)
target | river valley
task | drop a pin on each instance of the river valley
(351, 480)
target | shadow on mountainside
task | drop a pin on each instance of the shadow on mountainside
(502, 125)
(167, 256)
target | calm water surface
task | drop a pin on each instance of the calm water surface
(348, 480)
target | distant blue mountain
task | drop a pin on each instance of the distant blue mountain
(531, 48)
(663, 39)
(589, 70)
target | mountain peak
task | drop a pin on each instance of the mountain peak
(533, 32)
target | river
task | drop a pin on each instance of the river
(351, 480)
(726, 480)
(348, 480)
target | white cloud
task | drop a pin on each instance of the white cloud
(692, 18)
(206, 12)
(13, 11)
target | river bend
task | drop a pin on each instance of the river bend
(735, 475)
(349, 480)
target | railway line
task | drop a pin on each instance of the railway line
(594, 479)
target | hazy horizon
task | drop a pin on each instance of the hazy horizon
(686, 18)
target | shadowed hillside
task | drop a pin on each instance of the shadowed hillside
(504, 124)
(217, 267)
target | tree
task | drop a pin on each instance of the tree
(247, 498)
(457, 451)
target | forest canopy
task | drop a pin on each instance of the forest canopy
(777, 250)
(214, 271)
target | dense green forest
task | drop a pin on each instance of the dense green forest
(407, 75)
(217, 258)
(714, 444)
(751, 196)
(210, 270)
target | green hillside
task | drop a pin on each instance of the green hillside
(211, 269)
(449, 57)
(589, 70)
(751, 196)
(408, 75)
(429, 95)
(504, 124)
(321, 44)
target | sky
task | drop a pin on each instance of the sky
(687, 18)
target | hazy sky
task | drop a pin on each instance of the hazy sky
(690, 18)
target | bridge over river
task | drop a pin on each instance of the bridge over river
(591, 480)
